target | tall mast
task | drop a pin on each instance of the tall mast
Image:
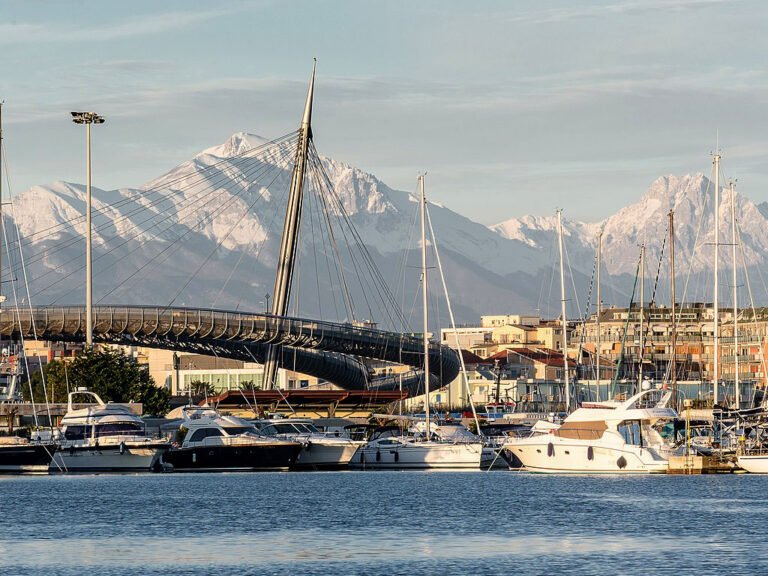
(562, 314)
(673, 361)
(737, 392)
(599, 310)
(1, 203)
(289, 240)
(642, 317)
(716, 319)
(423, 203)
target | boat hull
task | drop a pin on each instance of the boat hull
(754, 464)
(109, 458)
(26, 458)
(577, 458)
(232, 458)
(419, 457)
(318, 456)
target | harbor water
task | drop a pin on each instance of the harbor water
(382, 523)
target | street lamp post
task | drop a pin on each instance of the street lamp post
(266, 306)
(88, 118)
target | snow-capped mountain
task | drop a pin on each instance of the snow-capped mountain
(645, 222)
(207, 234)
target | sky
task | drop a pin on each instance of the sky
(512, 108)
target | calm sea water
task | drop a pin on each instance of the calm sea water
(382, 523)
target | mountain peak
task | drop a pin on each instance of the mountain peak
(235, 145)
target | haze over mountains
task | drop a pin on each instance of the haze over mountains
(204, 237)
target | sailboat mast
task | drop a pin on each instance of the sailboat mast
(737, 391)
(716, 318)
(642, 317)
(422, 203)
(673, 360)
(562, 314)
(599, 310)
(1, 202)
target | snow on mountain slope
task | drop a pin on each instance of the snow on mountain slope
(207, 233)
(646, 221)
(226, 223)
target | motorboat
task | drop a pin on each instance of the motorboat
(217, 442)
(23, 456)
(105, 437)
(320, 450)
(608, 437)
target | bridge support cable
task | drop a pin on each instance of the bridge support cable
(202, 177)
(195, 203)
(379, 284)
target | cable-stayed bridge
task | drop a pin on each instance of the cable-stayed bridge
(328, 350)
(284, 337)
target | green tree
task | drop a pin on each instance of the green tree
(109, 373)
(200, 388)
(249, 386)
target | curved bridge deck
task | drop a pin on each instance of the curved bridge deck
(333, 351)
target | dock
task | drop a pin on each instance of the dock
(700, 465)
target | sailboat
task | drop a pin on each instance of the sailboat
(17, 454)
(422, 450)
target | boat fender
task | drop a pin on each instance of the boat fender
(378, 455)
(72, 450)
(550, 449)
(362, 457)
(397, 456)
(590, 453)
(309, 444)
(122, 448)
(621, 462)
(194, 457)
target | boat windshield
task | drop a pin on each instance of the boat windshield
(81, 432)
(289, 428)
(237, 430)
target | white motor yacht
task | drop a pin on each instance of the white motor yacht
(216, 442)
(607, 437)
(105, 438)
(320, 450)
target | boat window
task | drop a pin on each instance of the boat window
(203, 433)
(198, 435)
(630, 431)
(119, 429)
(284, 429)
(236, 430)
(388, 442)
(77, 432)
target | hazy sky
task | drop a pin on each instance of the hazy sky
(513, 107)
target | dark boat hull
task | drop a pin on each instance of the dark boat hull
(232, 458)
(26, 458)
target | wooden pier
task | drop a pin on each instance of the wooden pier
(700, 465)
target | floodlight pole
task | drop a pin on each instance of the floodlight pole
(88, 118)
